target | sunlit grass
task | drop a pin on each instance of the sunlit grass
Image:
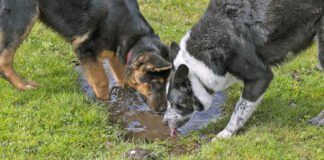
(57, 122)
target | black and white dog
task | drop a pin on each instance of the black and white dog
(238, 40)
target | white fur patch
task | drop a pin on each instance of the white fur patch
(200, 92)
(167, 88)
(199, 73)
(243, 111)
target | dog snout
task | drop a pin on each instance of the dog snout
(157, 103)
(165, 121)
(172, 118)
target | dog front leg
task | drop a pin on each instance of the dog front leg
(97, 78)
(247, 104)
(94, 70)
(242, 112)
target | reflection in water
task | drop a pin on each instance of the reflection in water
(128, 109)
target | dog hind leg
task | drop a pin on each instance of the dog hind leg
(320, 42)
(16, 22)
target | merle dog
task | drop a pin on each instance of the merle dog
(97, 29)
(239, 40)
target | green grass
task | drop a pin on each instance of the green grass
(57, 122)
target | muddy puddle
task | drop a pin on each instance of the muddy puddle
(131, 112)
(127, 108)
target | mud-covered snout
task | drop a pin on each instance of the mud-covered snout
(175, 120)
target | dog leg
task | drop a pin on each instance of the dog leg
(243, 111)
(247, 104)
(320, 41)
(92, 65)
(118, 70)
(15, 28)
(97, 78)
(116, 67)
(8, 72)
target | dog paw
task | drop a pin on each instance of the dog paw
(224, 134)
(29, 85)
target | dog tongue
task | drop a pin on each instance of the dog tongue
(173, 132)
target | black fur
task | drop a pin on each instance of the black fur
(321, 44)
(112, 25)
(101, 25)
(246, 37)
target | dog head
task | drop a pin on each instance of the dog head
(182, 101)
(148, 73)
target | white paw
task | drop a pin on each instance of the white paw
(224, 134)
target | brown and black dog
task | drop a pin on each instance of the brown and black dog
(97, 29)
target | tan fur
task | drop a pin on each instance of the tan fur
(116, 67)
(144, 89)
(140, 70)
(133, 78)
(7, 58)
(106, 54)
(79, 40)
(97, 78)
(7, 70)
(135, 82)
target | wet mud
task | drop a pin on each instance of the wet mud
(127, 108)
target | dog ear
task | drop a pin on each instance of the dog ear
(181, 74)
(150, 62)
(174, 50)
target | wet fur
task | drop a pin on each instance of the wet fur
(244, 39)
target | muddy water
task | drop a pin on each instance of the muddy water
(129, 110)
